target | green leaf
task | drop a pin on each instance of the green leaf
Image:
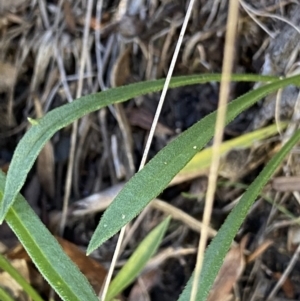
(138, 260)
(34, 140)
(202, 160)
(4, 295)
(46, 253)
(218, 248)
(6, 266)
(158, 173)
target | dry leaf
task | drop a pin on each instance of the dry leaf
(69, 16)
(8, 75)
(11, 4)
(286, 184)
(141, 288)
(293, 238)
(96, 202)
(229, 273)
(143, 118)
(45, 160)
(43, 56)
(287, 286)
(101, 200)
(10, 285)
(45, 169)
(94, 271)
(259, 250)
(121, 69)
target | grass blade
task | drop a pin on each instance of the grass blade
(4, 295)
(218, 248)
(202, 160)
(158, 173)
(31, 292)
(43, 129)
(46, 253)
(138, 260)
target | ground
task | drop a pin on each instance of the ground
(53, 52)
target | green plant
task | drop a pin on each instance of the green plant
(4, 295)
(63, 276)
(138, 259)
(5, 265)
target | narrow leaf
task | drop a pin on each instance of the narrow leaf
(158, 173)
(4, 295)
(57, 268)
(138, 260)
(7, 266)
(45, 127)
(218, 248)
(202, 160)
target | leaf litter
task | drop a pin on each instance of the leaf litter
(130, 41)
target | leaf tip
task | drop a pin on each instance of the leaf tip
(89, 250)
(95, 242)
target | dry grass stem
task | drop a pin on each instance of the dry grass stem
(232, 21)
(150, 137)
(284, 276)
(69, 175)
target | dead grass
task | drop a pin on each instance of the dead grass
(51, 52)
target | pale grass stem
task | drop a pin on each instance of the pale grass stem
(150, 137)
(75, 124)
(228, 58)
